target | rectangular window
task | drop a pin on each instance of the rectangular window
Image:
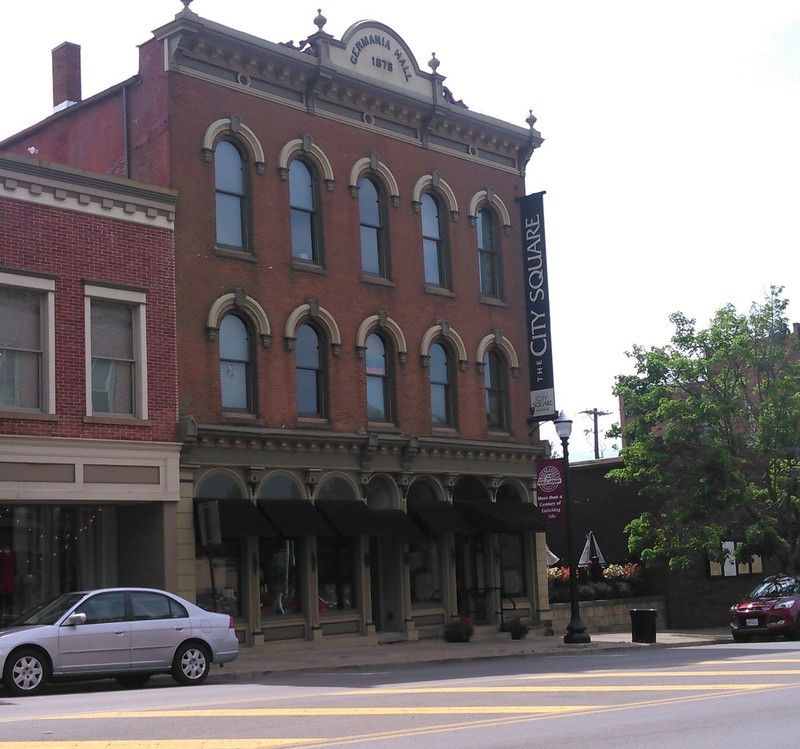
(730, 567)
(27, 349)
(116, 353)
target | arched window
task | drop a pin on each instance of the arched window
(302, 196)
(231, 196)
(310, 372)
(379, 380)
(235, 364)
(442, 391)
(434, 248)
(488, 253)
(373, 233)
(496, 386)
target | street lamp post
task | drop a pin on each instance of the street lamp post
(576, 630)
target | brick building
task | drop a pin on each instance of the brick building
(88, 395)
(351, 352)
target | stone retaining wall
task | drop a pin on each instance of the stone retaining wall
(607, 616)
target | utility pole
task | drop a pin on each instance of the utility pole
(594, 413)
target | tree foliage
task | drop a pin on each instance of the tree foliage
(712, 435)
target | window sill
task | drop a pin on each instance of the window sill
(495, 434)
(439, 291)
(121, 420)
(246, 255)
(444, 432)
(310, 421)
(242, 418)
(377, 280)
(493, 301)
(28, 415)
(307, 266)
(383, 426)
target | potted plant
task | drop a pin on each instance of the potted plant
(518, 629)
(459, 629)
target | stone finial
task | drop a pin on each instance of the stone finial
(186, 4)
(531, 119)
(433, 63)
(320, 20)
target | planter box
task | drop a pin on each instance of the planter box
(608, 616)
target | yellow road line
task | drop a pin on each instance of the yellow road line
(158, 744)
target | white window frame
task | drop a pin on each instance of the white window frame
(138, 300)
(730, 567)
(47, 288)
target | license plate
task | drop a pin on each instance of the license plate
(751, 622)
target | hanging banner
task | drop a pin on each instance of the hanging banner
(550, 490)
(537, 308)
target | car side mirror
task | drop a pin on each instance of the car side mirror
(74, 619)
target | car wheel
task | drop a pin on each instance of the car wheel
(133, 681)
(26, 672)
(191, 664)
(740, 636)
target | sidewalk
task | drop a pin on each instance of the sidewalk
(354, 655)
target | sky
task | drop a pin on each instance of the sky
(671, 155)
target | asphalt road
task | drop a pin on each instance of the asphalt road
(704, 696)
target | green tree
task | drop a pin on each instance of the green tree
(712, 435)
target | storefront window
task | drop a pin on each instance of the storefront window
(512, 567)
(424, 566)
(226, 578)
(218, 566)
(45, 551)
(279, 584)
(336, 572)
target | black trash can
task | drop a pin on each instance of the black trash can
(643, 625)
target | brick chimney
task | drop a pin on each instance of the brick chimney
(66, 75)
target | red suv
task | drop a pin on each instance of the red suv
(773, 608)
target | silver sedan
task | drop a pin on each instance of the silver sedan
(125, 633)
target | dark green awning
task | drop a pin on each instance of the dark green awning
(438, 517)
(239, 518)
(354, 518)
(501, 517)
(296, 517)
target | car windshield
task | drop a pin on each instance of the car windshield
(775, 588)
(48, 612)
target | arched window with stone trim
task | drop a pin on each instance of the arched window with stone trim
(310, 372)
(236, 365)
(232, 199)
(442, 385)
(372, 221)
(434, 242)
(380, 378)
(495, 376)
(489, 253)
(303, 197)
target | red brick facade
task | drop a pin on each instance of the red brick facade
(278, 102)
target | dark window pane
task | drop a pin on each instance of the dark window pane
(430, 249)
(301, 192)
(230, 194)
(229, 220)
(228, 170)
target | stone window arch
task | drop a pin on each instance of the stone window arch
(311, 309)
(239, 300)
(443, 330)
(305, 147)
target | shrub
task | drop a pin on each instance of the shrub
(459, 629)
(518, 629)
